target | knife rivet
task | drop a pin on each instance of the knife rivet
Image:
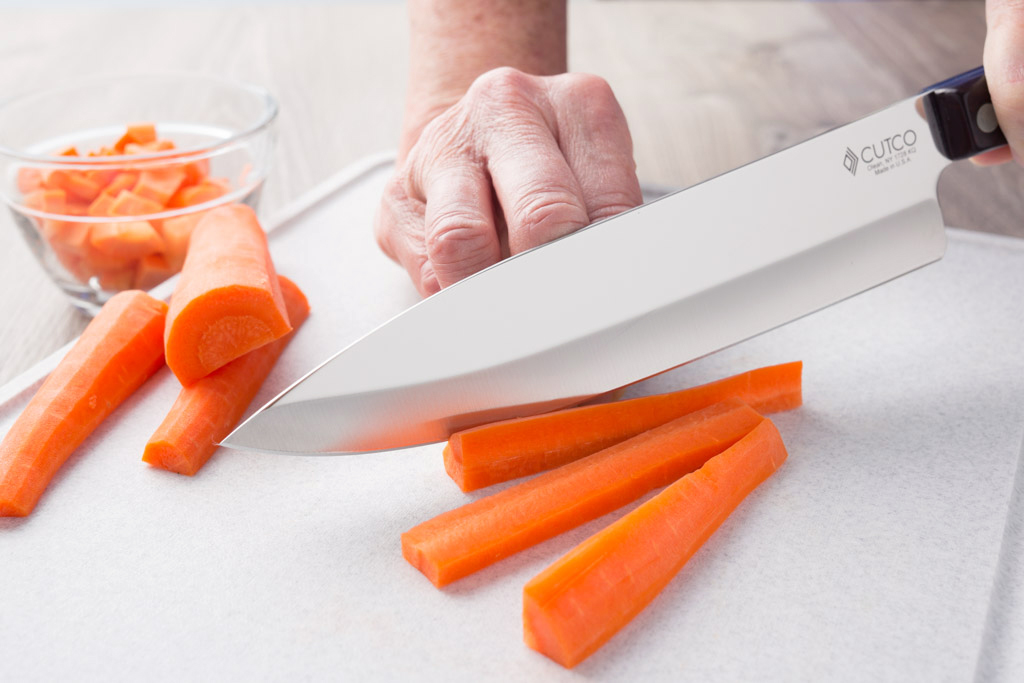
(986, 118)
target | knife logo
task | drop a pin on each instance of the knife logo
(850, 161)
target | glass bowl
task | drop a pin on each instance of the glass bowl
(106, 178)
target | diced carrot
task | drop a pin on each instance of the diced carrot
(101, 205)
(138, 133)
(228, 300)
(29, 179)
(47, 201)
(126, 240)
(77, 208)
(125, 180)
(128, 203)
(146, 147)
(467, 539)
(103, 176)
(97, 261)
(159, 184)
(116, 353)
(176, 233)
(74, 183)
(151, 270)
(71, 236)
(196, 171)
(206, 191)
(117, 280)
(208, 410)
(509, 449)
(68, 152)
(574, 606)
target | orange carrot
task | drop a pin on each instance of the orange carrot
(176, 232)
(151, 270)
(159, 184)
(228, 299)
(101, 205)
(29, 180)
(509, 449)
(206, 191)
(467, 539)
(119, 349)
(47, 201)
(127, 203)
(208, 410)
(75, 183)
(574, 606)
(137, 133)
(125, 180)
(128, 240)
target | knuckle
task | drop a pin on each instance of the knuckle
(614, 202)
(545, 214)
(456, 237)
(504, 86)
(590, 86)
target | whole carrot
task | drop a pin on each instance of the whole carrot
(462, 541)
(206, 411)
(228, 299)
(510, 449)
(574, 606)
(117, 352)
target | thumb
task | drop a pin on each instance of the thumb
(1004, 68)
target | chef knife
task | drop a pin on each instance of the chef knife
(647, 290)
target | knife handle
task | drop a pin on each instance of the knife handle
(960, 114)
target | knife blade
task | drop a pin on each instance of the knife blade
(647, 290)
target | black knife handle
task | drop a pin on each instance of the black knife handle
(960, 114)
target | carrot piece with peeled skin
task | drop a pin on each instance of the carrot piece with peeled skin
(125, 180)
(136, 133)
(207, 411)
(206, 191)
(151, 270)
(159, 184)
(126, 240)
(228, 299)
(176, 233)
(509, 449)
(467, 539)
(574, 606)
(127, 203)
(116, 353)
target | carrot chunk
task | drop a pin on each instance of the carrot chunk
(574, 606)
(128, 240)
(159, 184)
(467, 539)
(116, 353)
(208, 410)
(176, 232)
(127, 203)
(137, 133)
(29, 179)
(151, 270)
(510, 449)
(228, 299)
(206, 191)
(125, 180)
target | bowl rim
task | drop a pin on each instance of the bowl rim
(270, 112)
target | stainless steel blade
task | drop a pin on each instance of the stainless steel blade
(631, 296)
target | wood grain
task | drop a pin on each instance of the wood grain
(706, 85)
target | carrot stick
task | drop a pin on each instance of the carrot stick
(462, 541)
(574, 606)
(228, 299)
(510, 449)
(116, 353)
(208, 410)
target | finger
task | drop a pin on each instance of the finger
(594, 137)
(539, 196)
(398, 227)
(460, 235)
(993, 157)
(1004, 68)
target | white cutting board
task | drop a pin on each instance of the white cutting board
(876, 553)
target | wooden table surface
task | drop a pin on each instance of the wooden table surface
(706, 86)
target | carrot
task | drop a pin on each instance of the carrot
(462, 541)
(29, 180)
(151, 270)
(137, 133)
(116, 353)
(206, 191)
(208, 410)
(176, 232)
(101, 205)
(127, 240)
(160, 184)
(125, 180)
(75, 183)
(127, 203)
(47, 201)
(509, 449)
(228, 299)
(574, 606)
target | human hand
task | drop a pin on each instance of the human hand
(1004, 71)
(518, 161)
